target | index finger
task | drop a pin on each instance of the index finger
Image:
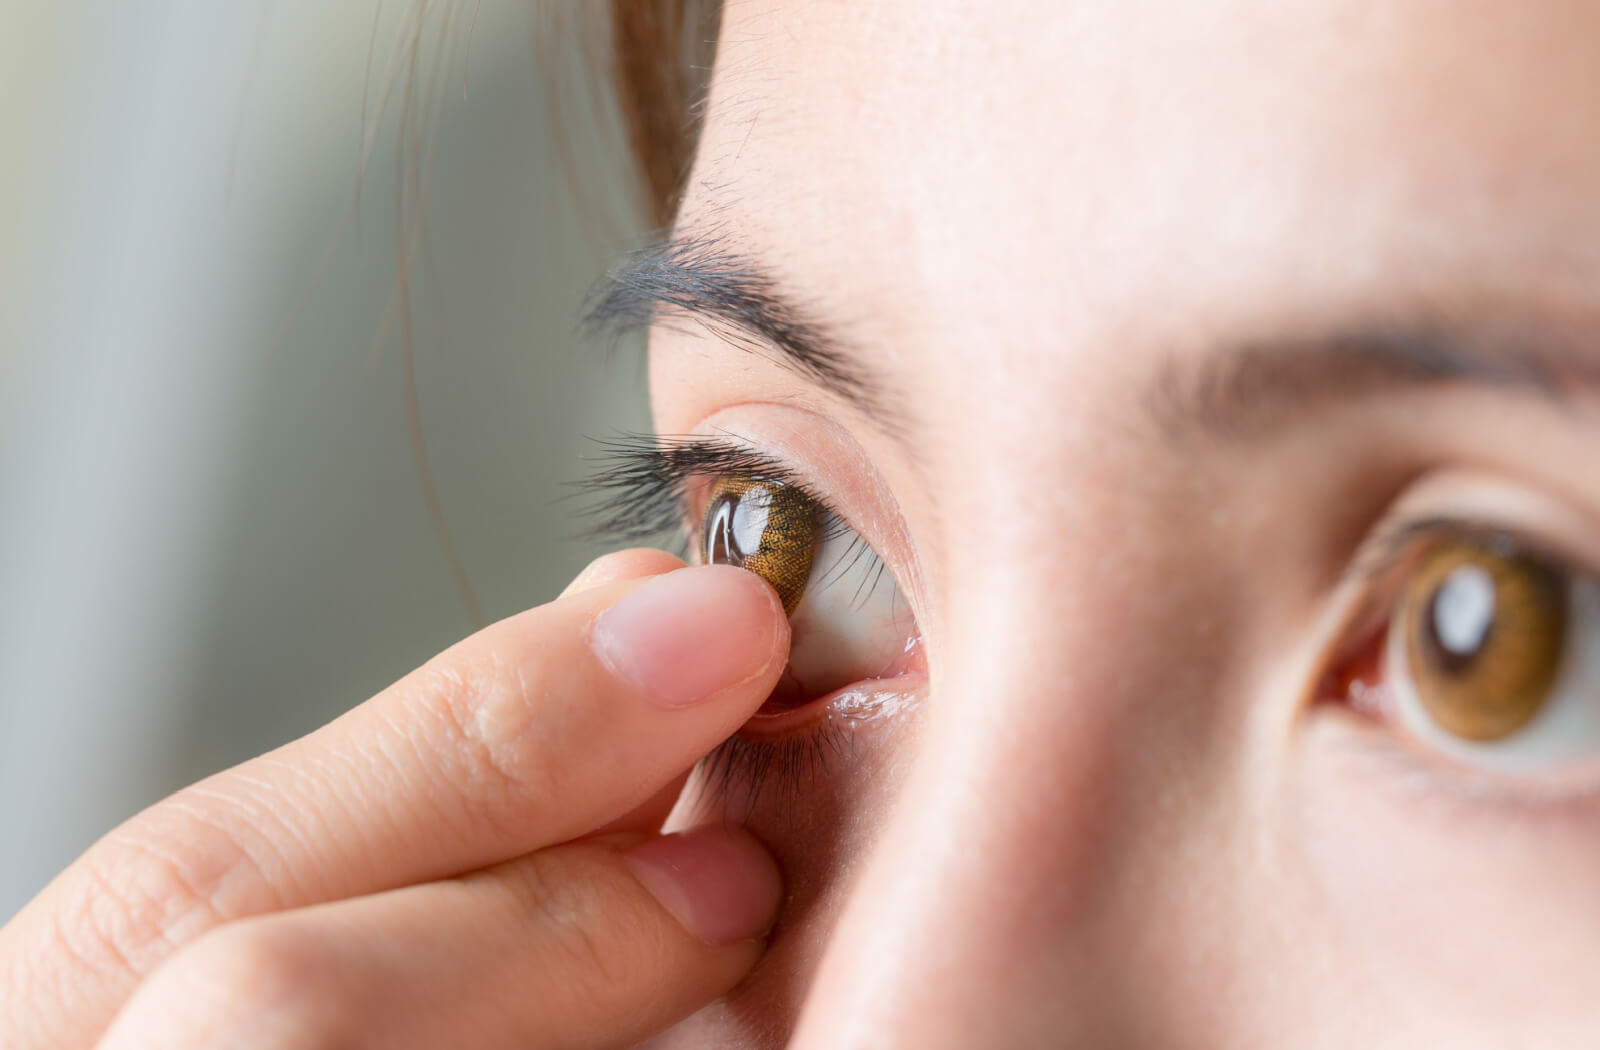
(533, 731)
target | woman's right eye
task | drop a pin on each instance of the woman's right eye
(1491, 657)
(770, 529)
(848, 620)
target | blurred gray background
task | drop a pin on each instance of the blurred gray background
(213, 536)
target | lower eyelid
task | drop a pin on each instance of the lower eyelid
(788, 757)
(1435, 508)
(1432, 770)
(1370, 755)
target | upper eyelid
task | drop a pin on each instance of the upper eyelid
(646, 487)
(1396, 541)
(1401, 539)
(751, 464)
(1389, 545)
(643, 489)
(833, 524)
(755, 468)
(1467, 504)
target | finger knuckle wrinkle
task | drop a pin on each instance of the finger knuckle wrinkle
(137, 901)
(593, 931)
(487, 710)
(133, 906)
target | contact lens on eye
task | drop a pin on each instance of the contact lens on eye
(772, 530)
(1484, 631)
(847, 620)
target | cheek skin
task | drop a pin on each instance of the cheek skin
(1466, 910)
(819, 827)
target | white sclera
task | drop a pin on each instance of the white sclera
(852, 622)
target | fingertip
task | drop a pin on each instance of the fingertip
(616, 566)
(697, 634)
(719, 882)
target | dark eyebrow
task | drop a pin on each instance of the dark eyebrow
(737, 300)
(1241, 389)
(1253, 388)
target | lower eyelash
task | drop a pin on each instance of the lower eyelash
(742, 769)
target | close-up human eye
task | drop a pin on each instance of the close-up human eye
(729, 503)
(850, 622)
(1487, 655)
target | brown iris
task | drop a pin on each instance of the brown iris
(1484, 627)
(771, 529)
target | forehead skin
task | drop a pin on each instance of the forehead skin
(1019, 214)
(1022, 212)
(1045, 175)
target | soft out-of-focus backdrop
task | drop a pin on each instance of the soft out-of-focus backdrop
(212, 532)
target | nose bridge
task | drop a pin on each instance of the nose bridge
(973, 922)
(1025, 884)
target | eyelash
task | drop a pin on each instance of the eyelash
(643, 492)
(1398, 545)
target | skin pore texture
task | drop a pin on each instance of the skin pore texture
(1111, 274)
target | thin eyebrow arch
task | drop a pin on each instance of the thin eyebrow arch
(739, 301)
(1252, 389)
(1243, 390)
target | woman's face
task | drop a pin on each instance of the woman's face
(1214, 383)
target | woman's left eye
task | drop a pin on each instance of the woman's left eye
(1491, 657)
(847, 617)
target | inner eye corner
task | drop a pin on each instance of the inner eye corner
(1350, 672)
(1377, 575)
(1351, 667)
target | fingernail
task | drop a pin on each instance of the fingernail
(691, 633)
(720, 883)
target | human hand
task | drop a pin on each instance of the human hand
(470, 858)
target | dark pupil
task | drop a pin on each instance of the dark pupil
(1460, 617)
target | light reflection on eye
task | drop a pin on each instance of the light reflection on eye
(1491, 658)
(848, 619)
